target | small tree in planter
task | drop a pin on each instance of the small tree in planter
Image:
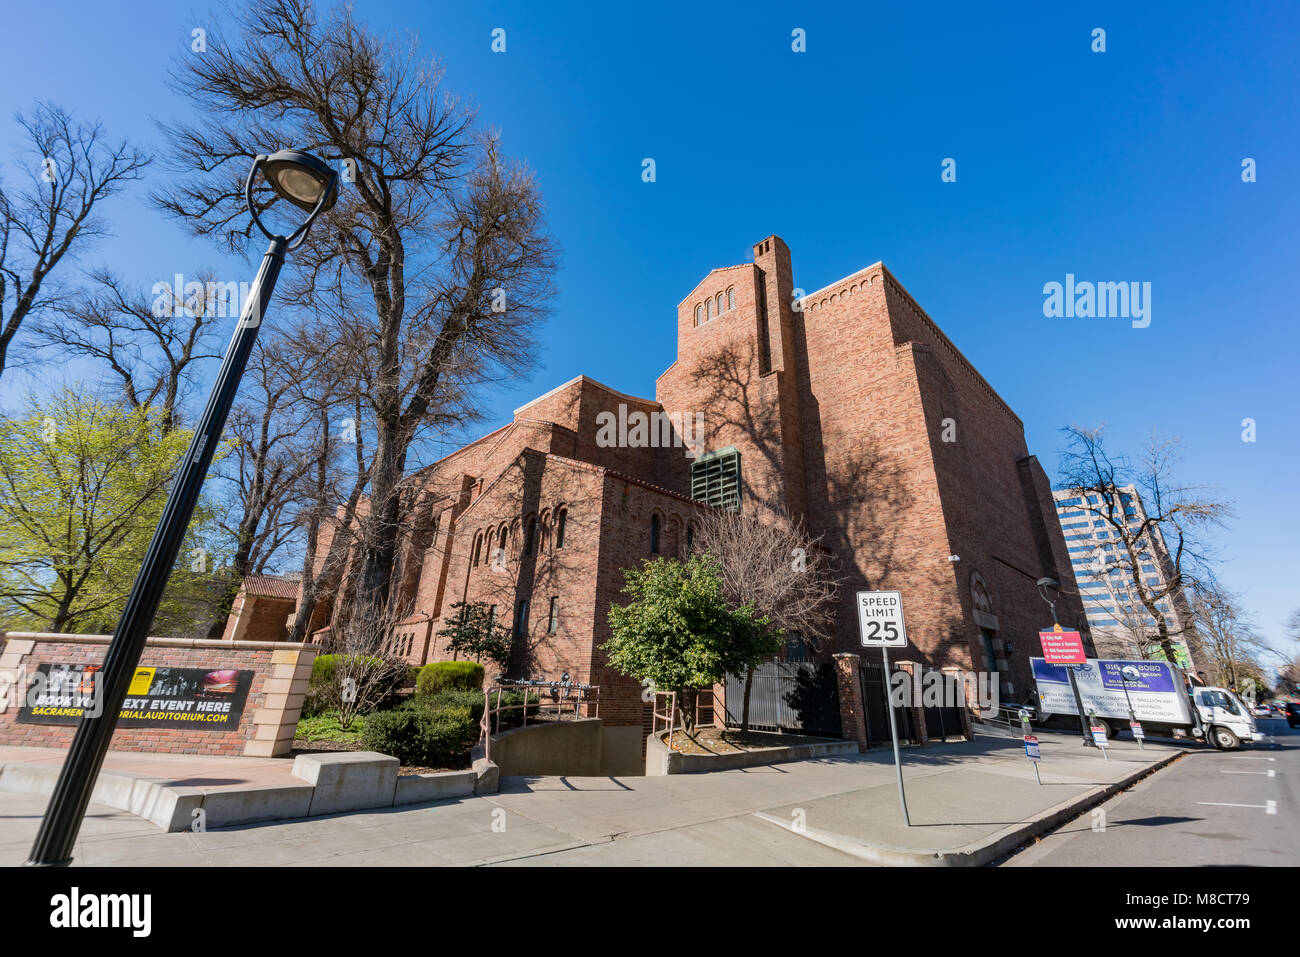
(680, 634)
(366, 668)
(774, 566)
(474, 632)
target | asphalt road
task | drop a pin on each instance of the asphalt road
(1208, 808)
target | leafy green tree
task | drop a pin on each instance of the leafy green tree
(680, 634)
(474, 632)
(82, 485)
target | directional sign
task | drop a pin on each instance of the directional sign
(1062, 647)
(880, 619)
(1099, 736)
(1031, 748)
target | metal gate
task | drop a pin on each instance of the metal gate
(875, 699)
(788, 696)
(941, 721)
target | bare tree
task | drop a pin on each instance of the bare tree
(437, 247)
(773, 565)
(1150, 519)
(1228, 637)
(366, 672)
(148, 344)
(72, 168)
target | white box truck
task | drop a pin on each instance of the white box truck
(1158, 696)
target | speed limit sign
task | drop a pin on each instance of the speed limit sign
(880, 619)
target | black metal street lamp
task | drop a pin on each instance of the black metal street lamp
(1050, 590)
(308, 183)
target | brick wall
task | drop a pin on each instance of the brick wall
(266, 726)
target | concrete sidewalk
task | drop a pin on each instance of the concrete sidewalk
(966, 801)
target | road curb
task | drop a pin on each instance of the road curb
(977, 853)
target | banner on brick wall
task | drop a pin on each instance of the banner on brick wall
(199, 698)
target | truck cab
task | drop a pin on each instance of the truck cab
(1227, 721)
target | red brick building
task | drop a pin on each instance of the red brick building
(849, 408)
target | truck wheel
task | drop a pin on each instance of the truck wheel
(1224, 739)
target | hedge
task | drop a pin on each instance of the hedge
(424, 737)
(438, 730)
(449, 675)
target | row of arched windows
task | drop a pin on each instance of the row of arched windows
(678, 543)
(537, 533)
(715, 306)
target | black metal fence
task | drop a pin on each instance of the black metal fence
(793, 696)
(875, 697)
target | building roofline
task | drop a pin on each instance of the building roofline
(691, 294)
(589, 381)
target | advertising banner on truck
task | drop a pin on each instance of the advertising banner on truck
(1157, 695)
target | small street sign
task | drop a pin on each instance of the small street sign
(1062, 647)
(1032, 751)
(880, 619)
(1136, 728)
(1099, 736)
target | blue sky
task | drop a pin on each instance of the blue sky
(1115, 166)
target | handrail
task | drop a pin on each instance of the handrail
(586, 695)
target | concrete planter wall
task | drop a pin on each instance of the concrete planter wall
(572, 748)
(660, 760)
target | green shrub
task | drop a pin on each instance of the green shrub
(422, 736)
(322, 690)
(449, 675)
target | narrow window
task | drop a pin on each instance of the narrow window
(478, 547)
(731, 298)
(521, 618)
(654, 534)
(530, 536)
(502, 543)
(699, 314)
(559, 527)
(553, 619)
(492, 617)
(719, 301)
(708, 309)
(690, 539)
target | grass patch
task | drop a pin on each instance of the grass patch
(325, 727)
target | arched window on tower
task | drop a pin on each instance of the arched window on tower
(708, 309)
(530, 536)
(731, 298)
(560, 520)
(699, 313)
(718, 300)
(654, 534)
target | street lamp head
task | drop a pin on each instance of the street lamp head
(301, 178)
(1050, 589)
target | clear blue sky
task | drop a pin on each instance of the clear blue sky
(1116, 166)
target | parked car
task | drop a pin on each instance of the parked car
(1293, 713)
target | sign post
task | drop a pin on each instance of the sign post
(1129, 673)
(880, 620)
(1066, 648)
(1032, 751)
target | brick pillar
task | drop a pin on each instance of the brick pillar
(913, 669)
(853, 720)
